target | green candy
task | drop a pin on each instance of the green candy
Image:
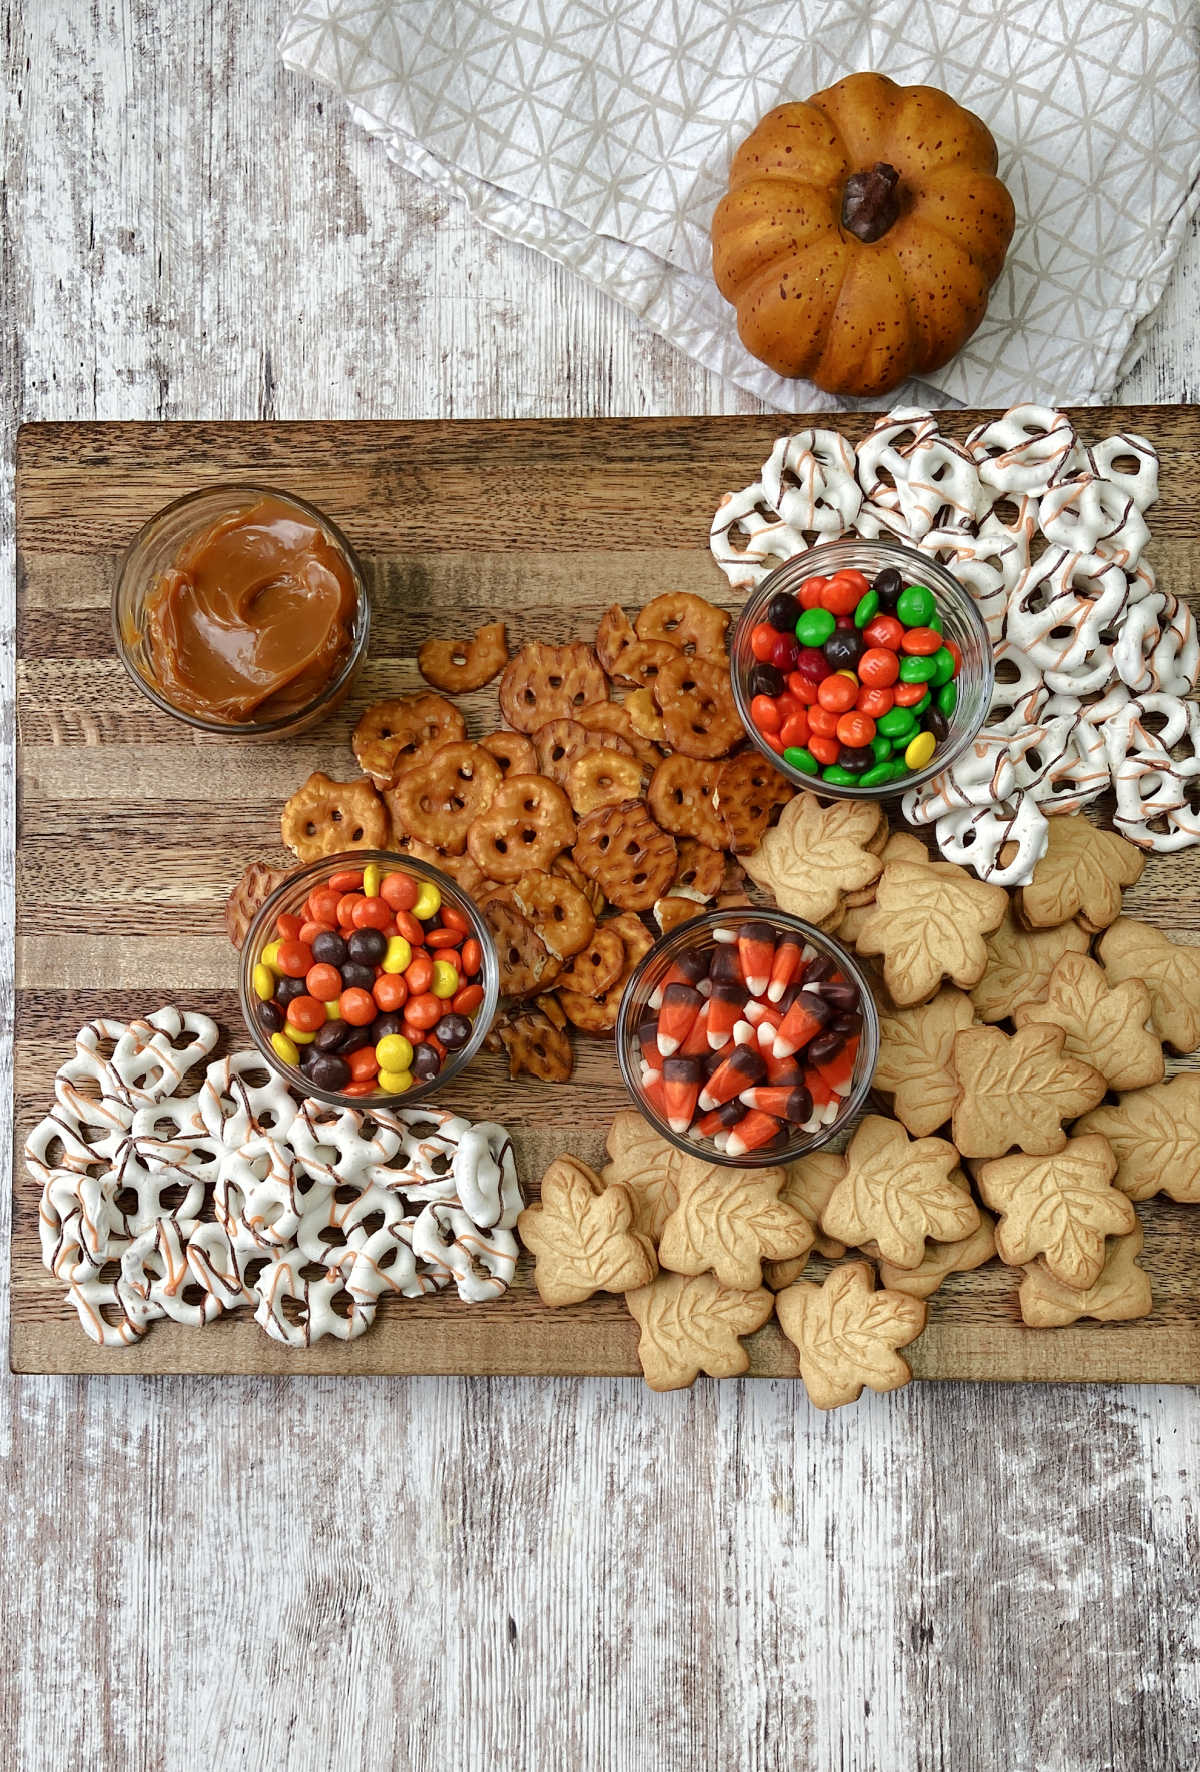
(882, 747)
(944, 666)
(935, 622)
(947, 698)
(815, 627)
(876, 777)
(867, 610)
(897, 724)
(801, 759)
(916, 606)
(916, 670)
(839, 777)
(918, 707)
(897, 769)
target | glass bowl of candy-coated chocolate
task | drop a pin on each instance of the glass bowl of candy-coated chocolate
(242, 611)
(694, 1056)
(367, 980)
(913, 627)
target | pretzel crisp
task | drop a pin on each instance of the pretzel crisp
(598, 1015)
(701, 869)
(436, 801)
(248, 896)
(543, 683)
(681, 799)
(558, 911)
(603, 778)
(324, 817)
(461, 665)
(640, 664)
(513, 751)
(538, 1045)
(528, 823)
(567, 869)
(684, 620)
(695, 698)
(610, 716)
(645, 718)
(627, 854)
(526, 964)
(597, 966)
(459, 867)
(748, 791)
(614, 635)
(557, 745)
(392, 734)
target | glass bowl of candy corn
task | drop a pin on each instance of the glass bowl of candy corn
(368, 979)
(861, 668)
(747, 1037)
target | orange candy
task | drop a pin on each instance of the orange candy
(822, 722)
(310, 930)
(371, 913)
(390, 991)
(878, 667)
(345, 910)
(346, 880)
(467, 1000)
(837, 693)
(409, 928)
(907, 695)
(323, 905)
(442, 938)
(825, 750)
(358, 1007)
(400, 891)
(472, 957)
(855, 729)
(366, 1087)
(364, 1066)
(287, 927)
(419, 973)
(876, 702)
(294, 958)
(323, 982)
(424, 1010)
(306, 1013)
(453, 918)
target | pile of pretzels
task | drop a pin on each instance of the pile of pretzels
(160, 1203)
(1093, 661)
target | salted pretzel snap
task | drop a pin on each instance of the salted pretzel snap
(568, 869)
(391, 734)
(436, 801)
(558, 911)
(611, 717)
(528, 823)
(543, 683)
(748, 791)
(645, 718)
(695, 699)
(458, 666)
(639, 665)
(513, 751)
(614, 635)
(557, 745)
(526, 963)
(681, 798)
(629, 856)
(535, 1044)
(597, 966)
(324, 817)
(459, 867)
(603, 778)
(701, 869)
(598, 1015)
(248, 896)
(684, 620)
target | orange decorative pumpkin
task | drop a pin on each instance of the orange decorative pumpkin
(861, 234)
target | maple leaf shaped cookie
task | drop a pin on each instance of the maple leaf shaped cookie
(815, 853)
(943, 1259)
(1171, 973)
(896, 1192)
(1061, 1207)
(1019, 965)
(1155, 1136)
(846, 1334)
(1017, 1089)
(1121, 1293)
(727, 1221)
(915, 1063)
(692, 1325)
(647, 1167)
(1080, 875)
(929, 921)
(900, 846)
(1105, 1024)
(582, 1238)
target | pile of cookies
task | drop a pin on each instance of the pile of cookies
(578, 818)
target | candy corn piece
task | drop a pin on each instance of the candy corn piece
(794, 1104)
(818, 1088)
(680, 1007)
(719, 1119)
(689, 968)
(786, 967)
(756, 951)
(756, 1010)
(744, 1067)
(725, 1009)
(647, 1037)
(783, 1070)
(681, 1090)
(696, 1045)
(745, 1033)
(838, 1070)
(725, 967)
(655, 1093)
(806, 1017)
(751, 1133)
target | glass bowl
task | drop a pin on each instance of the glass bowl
(699, 937)
(156, 547)
(961, 621)
(290, 897)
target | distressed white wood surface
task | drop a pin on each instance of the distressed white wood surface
(500, 1574)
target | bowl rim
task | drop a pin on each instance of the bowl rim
(255, 942)
(246, 728)
(625, 1036)
(948, 586)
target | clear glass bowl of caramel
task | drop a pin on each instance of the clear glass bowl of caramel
(242, 611)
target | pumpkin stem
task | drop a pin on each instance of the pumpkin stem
(869, 202)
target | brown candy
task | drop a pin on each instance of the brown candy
(462, 665)
(629, 856)
(528, 823)
(437, 800)
(324, 817)
(542, 683)
(392, 734)
(681, 799)
(248, 897)
(695, 698)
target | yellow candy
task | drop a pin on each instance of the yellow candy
(263, 980)
(372, 879)
(283, 1048)
(333, 1011)
(270, 954)
(920, 750)
(301, 1036)
(394, 1053)
(852, 676)
(398, 955)
(445, 979)
(429, 901)
(395, 1082)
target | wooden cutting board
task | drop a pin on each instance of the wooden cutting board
(131, 832)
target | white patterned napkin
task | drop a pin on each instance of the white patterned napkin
(600, 132)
